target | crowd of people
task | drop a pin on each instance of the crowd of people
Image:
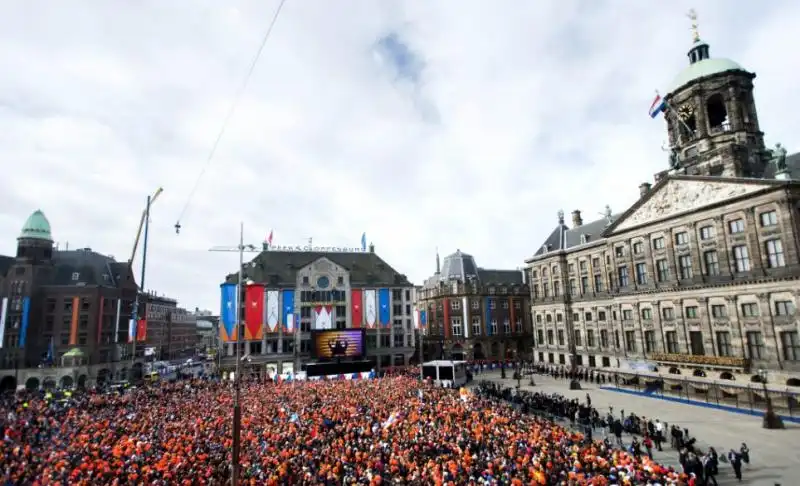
(391, 430)
(700, 467)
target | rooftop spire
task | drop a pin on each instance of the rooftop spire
(692, 14)
(438, 266)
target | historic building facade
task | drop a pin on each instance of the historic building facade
(323, 288)
(474, 313)
(64, 314)
(700, 276)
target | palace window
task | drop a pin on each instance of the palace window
(736, 226)
(750, 309)
(791, 346)
(650, 341)
(719, 311)
(662, 270)
(707, 232)
(755, 344)
(641, 274)
(741, 258)
(622, 276)
(630, 341)
(672, 341)
(770, 218)
(775, 256)
(724, 347)
(784, 308)
(685, 267)
(711, 261)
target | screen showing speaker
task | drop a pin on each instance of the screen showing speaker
(336, 344)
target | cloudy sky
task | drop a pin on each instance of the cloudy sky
(424, 123)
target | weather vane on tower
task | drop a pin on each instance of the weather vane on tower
(693, 17)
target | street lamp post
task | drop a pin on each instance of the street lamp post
(241, 248)
(771, 419)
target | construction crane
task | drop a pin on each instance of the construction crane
(141, 225)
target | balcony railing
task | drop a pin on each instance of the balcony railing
(729, 361)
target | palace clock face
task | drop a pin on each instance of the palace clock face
(323, 282)
(686, 111)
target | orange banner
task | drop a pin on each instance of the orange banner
(73, 325)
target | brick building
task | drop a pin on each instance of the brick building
(474, 313)
(700, 276)
(64, 314)
(359, 289)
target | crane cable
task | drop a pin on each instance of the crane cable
(229, 115)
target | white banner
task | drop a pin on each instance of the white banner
(3, 314)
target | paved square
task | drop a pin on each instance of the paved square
(774, 457)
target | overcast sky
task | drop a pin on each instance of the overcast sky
(462, 124)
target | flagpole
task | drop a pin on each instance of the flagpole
(237, 411)
(680, 120)
(241, 248)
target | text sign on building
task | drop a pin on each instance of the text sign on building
(326, 249)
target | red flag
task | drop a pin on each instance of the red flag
(254, 312)
(141, 330)
(446, 311)
(356, 302)
(269, 238)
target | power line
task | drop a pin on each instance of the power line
(229, 115)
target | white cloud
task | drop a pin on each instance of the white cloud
(520, 109)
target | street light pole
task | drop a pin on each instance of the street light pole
(241, 248)
(771, 419)
(141, 287)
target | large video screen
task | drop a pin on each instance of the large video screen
(335, 344)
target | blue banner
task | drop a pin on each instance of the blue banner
(488, 316)
(423, 318)
(383, 307)
(288, 309)
(26, 314)
(227, 311)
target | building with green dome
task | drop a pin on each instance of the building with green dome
(64, 314)
(698, 279)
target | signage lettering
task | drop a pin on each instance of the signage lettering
(322, 249)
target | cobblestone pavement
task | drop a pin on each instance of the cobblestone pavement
(774, 453)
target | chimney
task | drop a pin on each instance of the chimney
(372, 248)
(576, 218)
(644, 188)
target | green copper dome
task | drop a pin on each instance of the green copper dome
(701, 64)
(36, 227)
(701, 69)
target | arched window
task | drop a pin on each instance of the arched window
(717, 114)
(699, 372)
(674, 371)
(726, 375)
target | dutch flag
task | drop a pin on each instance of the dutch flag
(658, 106)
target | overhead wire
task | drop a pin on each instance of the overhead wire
(229, 115)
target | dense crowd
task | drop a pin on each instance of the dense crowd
(391, 430)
